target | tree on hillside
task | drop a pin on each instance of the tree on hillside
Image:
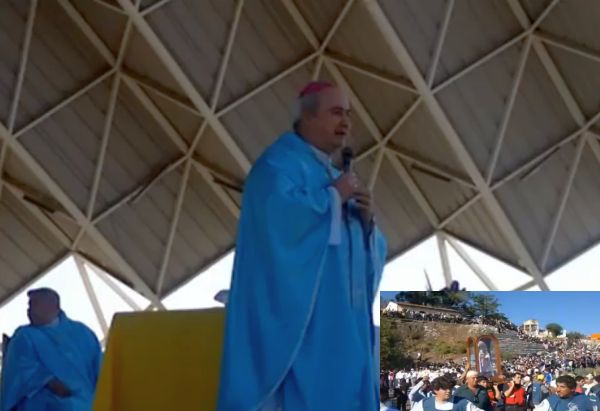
(449, 299)
(573, 337)
(392, 351)
(484, 304)
(453, 299)
(554, 329)
(416, 297)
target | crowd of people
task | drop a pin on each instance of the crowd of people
(541, 381)
(413, 390)
(530, 338)
(559, 357)
(416, 314)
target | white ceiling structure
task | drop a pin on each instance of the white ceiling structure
(127, 127)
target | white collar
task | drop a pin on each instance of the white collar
(322, 156)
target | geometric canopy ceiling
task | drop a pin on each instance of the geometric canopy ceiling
(128, 126)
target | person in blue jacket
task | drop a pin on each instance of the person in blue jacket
(566, 399)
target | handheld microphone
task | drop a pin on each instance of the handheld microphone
(347, 157)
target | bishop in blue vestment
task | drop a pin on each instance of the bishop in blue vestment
(309, 258)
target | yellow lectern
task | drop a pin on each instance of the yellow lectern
(168, 360)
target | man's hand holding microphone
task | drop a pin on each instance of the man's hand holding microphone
(349, 187)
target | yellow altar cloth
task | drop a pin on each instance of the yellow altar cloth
(168, 360)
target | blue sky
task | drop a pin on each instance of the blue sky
(574, 310)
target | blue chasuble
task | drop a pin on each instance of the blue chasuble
(67, 350)
(299, 328)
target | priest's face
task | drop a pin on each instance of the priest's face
(331, 125)
(42, 310)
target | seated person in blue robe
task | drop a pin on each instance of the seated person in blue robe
(443, 399)
(51, 364)
(309, 258)
(566, 399)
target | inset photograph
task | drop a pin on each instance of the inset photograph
(491, 351)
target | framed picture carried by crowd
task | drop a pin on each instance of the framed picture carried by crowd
(483, 355)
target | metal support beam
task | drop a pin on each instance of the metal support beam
(566, 45)
(181, 144)
(424, 165)
(441, 243)
(573, 108)
(328, 37)
(318, 66)
(369, 71)
(459, 211)
(186, 84)
(173, 228)
(109, 6)
(526, 286)
(164, 92)
(189, 161)
(563, 199)
(508, 110)
(135, 194)
(533, 162)
(336, 24)
(528, 31)
(112, 103)
(440, 44)
(89, 289)
(64, 103)
(479, 62)
(104, 277)
(148, 104)
(375, 169)
(414, 189)
(548, 64)
(460, 250)
(552, 70)
(178, 207)
(494, 207)
(388, 136)
(40, 215)
(79, 217)
(12, 115)
(108, 121)
(381, 144)
(301, 63)
(154, 7)
(225, 61)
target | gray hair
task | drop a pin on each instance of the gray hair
(305, 104)
(472, 373)
(46, 293)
